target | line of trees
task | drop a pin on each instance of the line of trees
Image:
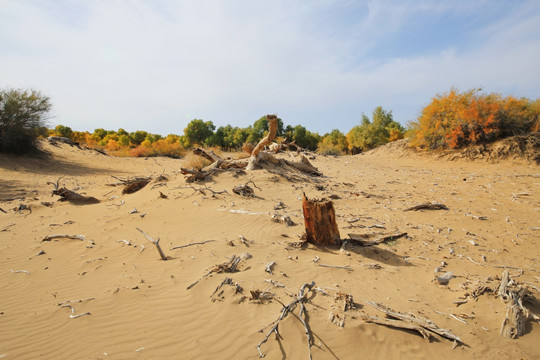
(452, 120)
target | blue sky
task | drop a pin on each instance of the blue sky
(156, 65)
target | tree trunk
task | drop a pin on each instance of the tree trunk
(320, 222)
(272, 129)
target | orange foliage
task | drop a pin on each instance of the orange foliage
(457, 119)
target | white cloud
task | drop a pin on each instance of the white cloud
(157, 65)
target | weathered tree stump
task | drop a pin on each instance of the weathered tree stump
(320, 222)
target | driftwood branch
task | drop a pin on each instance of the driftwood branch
(397, 324)
(192, 244)
(66, 236)
(410, 318)
(156, 243)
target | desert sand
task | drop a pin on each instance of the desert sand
(133, 305)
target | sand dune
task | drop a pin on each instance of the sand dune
(139, 306)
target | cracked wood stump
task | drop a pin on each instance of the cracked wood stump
(320, 222)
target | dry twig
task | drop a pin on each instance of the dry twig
(156, 243)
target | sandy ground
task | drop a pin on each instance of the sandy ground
(140, 307)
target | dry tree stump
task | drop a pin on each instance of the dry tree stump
(320, 222)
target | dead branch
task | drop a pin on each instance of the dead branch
(428, 206)
(156, 243)
(195, 175)
(363, 239)
(346, 267)
(410, 318)
(397, 324)
(65, 236)
(272, 130)
(228, 281)
(228, 267)
(195, 243)
(71, 196)
(287, 309)
(245, 189)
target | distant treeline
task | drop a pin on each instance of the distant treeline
(452, 120)
(371, 133)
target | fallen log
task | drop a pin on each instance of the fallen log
(320, 222)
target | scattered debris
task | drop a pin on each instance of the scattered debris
(245, 189)
(284, 219)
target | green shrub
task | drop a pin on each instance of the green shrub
(23, 114)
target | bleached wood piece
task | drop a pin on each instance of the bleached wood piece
(192, 244)
(156, 243)
(425, 323)
(397, 324)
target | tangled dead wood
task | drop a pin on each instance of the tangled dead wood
(228, 267)
(410, 321)
(287, 309)
(245, 189)
(259, 159)
(70, 195)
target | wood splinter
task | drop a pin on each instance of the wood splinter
(156, 243)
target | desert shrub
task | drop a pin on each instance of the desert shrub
(193, 161)
(23, 114)
(456, 119)
(327, 148)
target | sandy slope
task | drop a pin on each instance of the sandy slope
(139, 305)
